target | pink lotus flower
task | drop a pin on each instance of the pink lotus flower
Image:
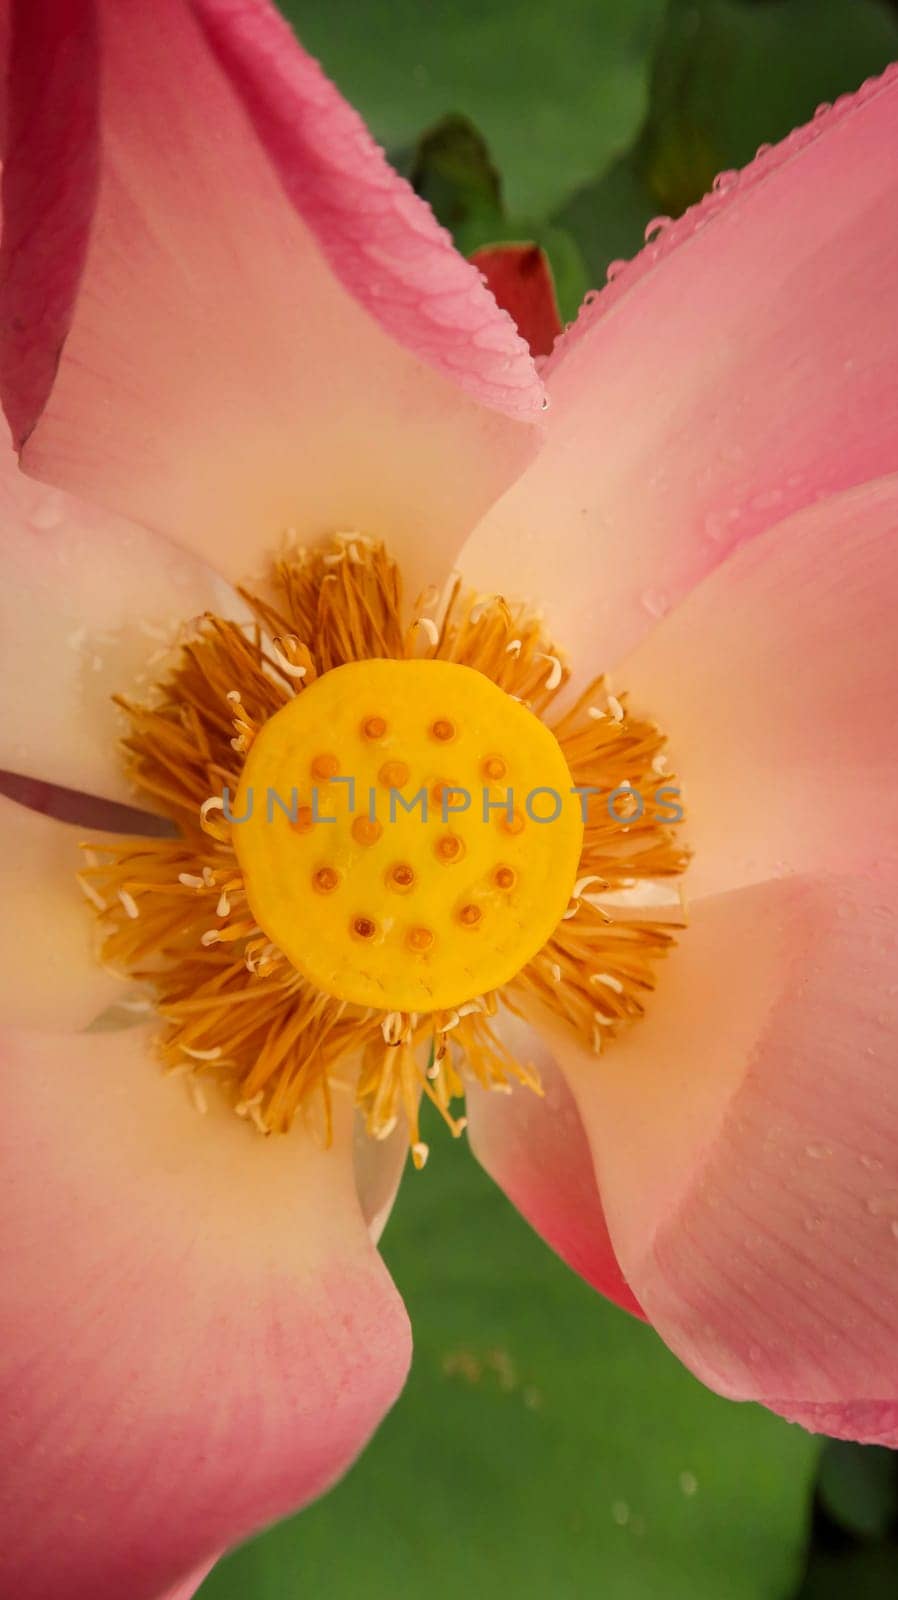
(225, 317)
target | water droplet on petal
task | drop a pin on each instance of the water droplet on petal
(719, 525)
(656, 602)
(817, 1152)
(656, 227)
(48, 513)
(767, 501)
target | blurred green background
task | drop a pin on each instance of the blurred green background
(547, 1446)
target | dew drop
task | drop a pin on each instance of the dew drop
(725, 181)
(817, 1152)
(767, 501)
(719, 524)
(49, 513)
(655, 228)
(613, 269)
(656, 602)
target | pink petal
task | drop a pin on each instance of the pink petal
(872, 1421)
(87, 601)
(49, 973)
(263, 327)
(746, 1139)
(203, 1334)
(520, 277)
(745, 364)
(536, 1150)
(777, 683)
(186, 1589)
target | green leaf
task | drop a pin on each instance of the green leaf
(608, 218)
(557, 90)
(546, 1445)
(859, 1486)
(453, 171)
(727, 77)
(452, 168)
(868, 1573)
(730, 76)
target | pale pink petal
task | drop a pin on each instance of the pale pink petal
(202, 1335)
(776, 681)
(88, 603)
(536, 1150)
(745, 365)
(50, 976)
(262, 327)
(746, 1140)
